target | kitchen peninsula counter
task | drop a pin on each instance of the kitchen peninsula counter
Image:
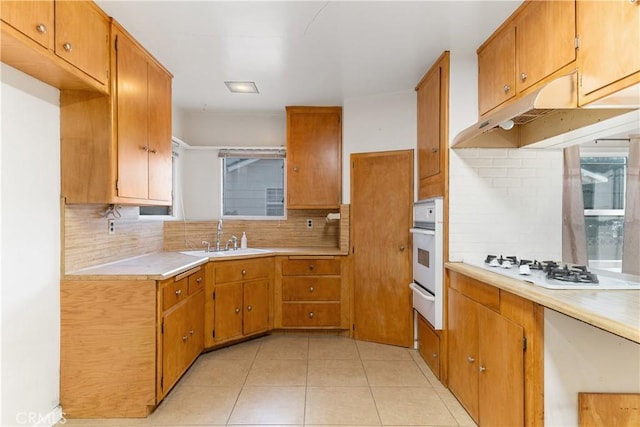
(615, 311)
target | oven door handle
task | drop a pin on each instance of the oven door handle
(422, 231)
(423, 293)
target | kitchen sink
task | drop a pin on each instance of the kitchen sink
(226, 254)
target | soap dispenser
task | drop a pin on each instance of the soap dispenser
(243, 241)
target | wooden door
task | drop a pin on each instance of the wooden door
(256, 306)
(497, 70)
(228, 311)
(501, 370)
(609, 32)
(196, 326)
(462, 336)
(174, 345)
(132, 118)
(314, 161)
(32, 18)
(82, 37)
(545, 34)
(381, 216)
(160, 156)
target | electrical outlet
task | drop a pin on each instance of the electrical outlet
(309, 223)
(112, 226)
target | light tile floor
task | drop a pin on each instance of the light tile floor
(305, 380)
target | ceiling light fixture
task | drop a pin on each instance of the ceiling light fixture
(242, 87)
(507, 125)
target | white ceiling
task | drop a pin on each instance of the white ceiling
(301, 52)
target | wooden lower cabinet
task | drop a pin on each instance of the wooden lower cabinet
(240, 302)
(311, 293)
(494, 337)
(125, 343)
(429, 345)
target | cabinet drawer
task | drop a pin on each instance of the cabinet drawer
(174, 292)
(310, 314)
(231, 271)
(429, 345)
(196, 282)
(311, 288)
(486, 295)
(301, 267)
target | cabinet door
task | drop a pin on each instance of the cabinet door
(160, 167)
(228, 311)
(256, 306)
(609, 32)
(496, 70)
(463, 350)
(82, 37)
(174, 345)
(195, 328)
(429, 125)
(314, 145)
(32, 18)
(545, 35)
(132, 118)
(501, 370)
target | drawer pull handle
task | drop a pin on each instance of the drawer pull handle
(184, 338)
(311, 315)
(249, 308)
(41, 28)
(244, 272)
(67, 47)
(471, 359)
(179, 292)
(311, 267)
(311, 289)
(237, 310)
(198, 280)
(434, 355)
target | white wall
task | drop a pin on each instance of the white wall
(235, 129)
(581, 358)
(30, 250)
(383, 122)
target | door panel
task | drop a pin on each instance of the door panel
(160, 168)
(228, 311)
(256, 306)
(381, 206)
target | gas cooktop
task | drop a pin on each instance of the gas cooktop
(556, 275)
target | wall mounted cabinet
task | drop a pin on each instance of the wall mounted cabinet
(314, 157)
(63, 43)
(117, 148)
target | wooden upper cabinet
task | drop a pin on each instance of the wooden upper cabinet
(160, 151)
(32, 18)
(82, 37)
(433, 128)
(314, 157)
(497, 69)
(545, 34)
(608, 53)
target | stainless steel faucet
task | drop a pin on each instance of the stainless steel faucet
(218, 234)
(207, 245)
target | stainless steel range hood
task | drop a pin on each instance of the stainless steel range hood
(548, 111)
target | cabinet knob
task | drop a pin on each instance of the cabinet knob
(434, 355)
(311, 267)
(41, 28)
(506, 88)
(244, 272)
(191, 332)
(179, 292)
(311, 315)
(144, 148)
(295, 169)
(199, 279)
(249, 308)
(523, 76)
(482, 369)
(67, 47)
(237, 310)
(184, 338)
(471, 359)
(434, 150)
(311, 289)
(153, 151)
(401, 248)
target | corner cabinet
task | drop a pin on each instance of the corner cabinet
(125, 343)
(314, 157)
(608, 53)
(494, 338)
(117, 148)
(62, 43)
(433, 129)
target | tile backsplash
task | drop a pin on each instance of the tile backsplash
(505, 201)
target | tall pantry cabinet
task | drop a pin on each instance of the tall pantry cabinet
(117, 148)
